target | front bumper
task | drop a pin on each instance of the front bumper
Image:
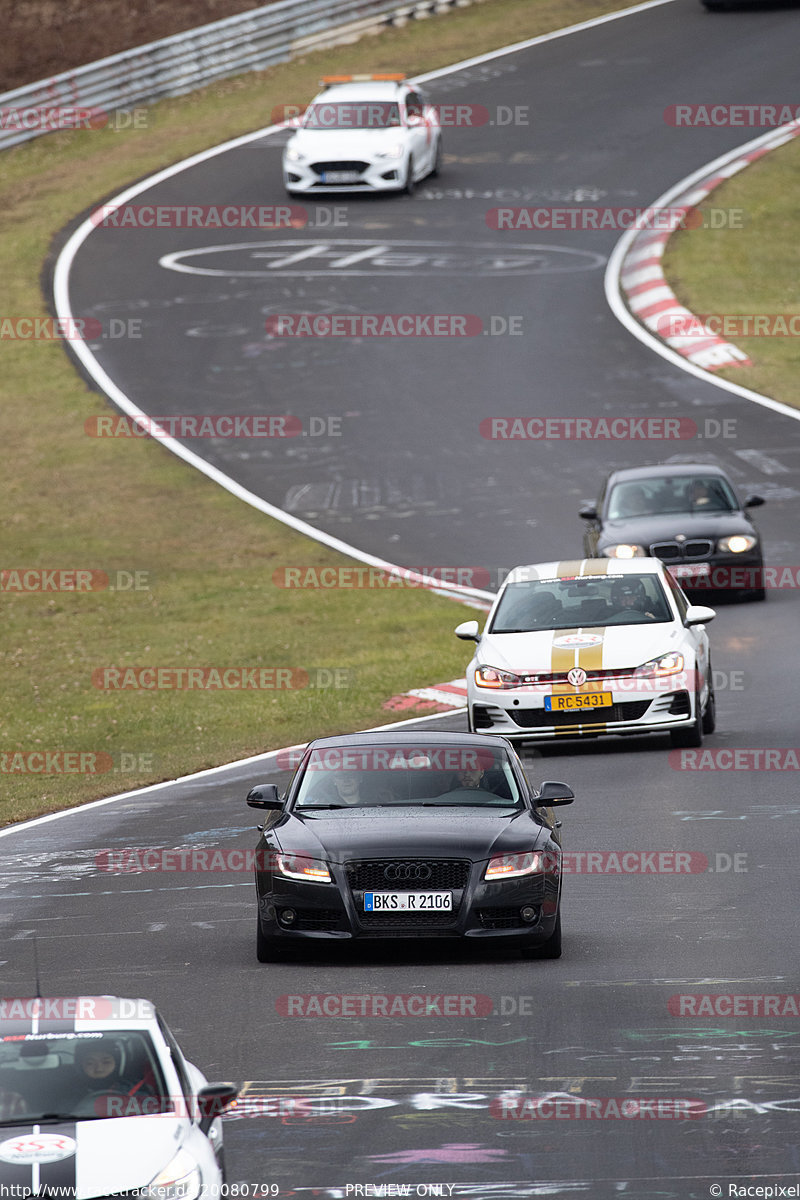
(383, 175)
(481, 909)
(520, 714)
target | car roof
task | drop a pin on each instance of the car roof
(420, 739)
(57, 1014)
(366, 90)
(585, 568)
(661, 469)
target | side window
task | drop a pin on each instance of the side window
(177, 1059)
(678, 596)
(414, 104)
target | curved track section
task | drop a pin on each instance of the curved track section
(338, 1102)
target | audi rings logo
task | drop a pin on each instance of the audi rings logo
(407, 872)
(577, 676)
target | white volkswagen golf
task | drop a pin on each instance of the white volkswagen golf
(373, 133)
(591, 647)
(97, 1099)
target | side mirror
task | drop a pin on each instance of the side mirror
(264, 795)
(698, 614)
(212, 1100)
(468, 631)
(552, 793)
(588, 512)
(754, 501)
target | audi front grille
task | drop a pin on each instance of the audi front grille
(408, 874)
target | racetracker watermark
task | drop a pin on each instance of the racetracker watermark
(70, 329)
(72, 762)
(383, 114)
(742, 116)
(207, 425)
(729, 325)
(696, 1004)
(200, 216)
(585, 218)
(348, 578)
(72, 1008)
(209, 679)
(742, 578)
(564, 1107)
(36, 580)
(374, 1004)
(56, 119)
(136, 860)
(385, 758)
(587, 429)
(392, 325)
(739, 758)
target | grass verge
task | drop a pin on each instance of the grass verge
(207, 596)
(749, 271)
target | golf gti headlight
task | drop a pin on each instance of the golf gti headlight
(666, 664)
(736, 544)
(395, 151)
(309, 870)
(512, 866)
(179, 1180)
(492, 677)
(624, 550)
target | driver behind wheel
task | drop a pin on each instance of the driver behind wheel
(99, 1068)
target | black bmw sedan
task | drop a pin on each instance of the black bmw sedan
(686, 514)
(386, 835)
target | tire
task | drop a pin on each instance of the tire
(693, 735)
(551, 948)
(437, 162)
(267, 950)
(410, 184)
(710, 715)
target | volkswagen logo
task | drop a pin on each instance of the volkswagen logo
(577, 676)
(407, 872)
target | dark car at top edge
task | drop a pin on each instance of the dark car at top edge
(400, 835)
(688, 515)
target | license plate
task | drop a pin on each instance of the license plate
(421, 902)
(341, 176)
(571, 703)
(690, 570)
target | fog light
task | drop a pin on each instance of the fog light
(287, 916)
(528, 914)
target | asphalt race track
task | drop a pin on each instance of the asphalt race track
(407, 1101)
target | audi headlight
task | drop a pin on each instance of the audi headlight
(395, 151)
(737, 543)
(294, 155)
(667, 664)
(491, 677)
(295, 866)
(179, 1180)
(624, 550)
(512, 866)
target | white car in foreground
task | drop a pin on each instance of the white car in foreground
(591, 647)
(363, 134)
(96, 1099)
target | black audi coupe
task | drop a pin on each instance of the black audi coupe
(409, 835)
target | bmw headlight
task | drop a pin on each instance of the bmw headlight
(666, 664)
(179, 1180)
(395, 151)
(737, 543)
(512, 866)
(491, 677)
(309, 870)
(624, 550)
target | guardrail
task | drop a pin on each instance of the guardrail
(179, 64)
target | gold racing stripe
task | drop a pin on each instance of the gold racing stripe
(583, 566)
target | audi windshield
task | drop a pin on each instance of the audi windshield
(404, 776)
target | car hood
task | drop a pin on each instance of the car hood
(95, 1158)
(643, 531)
(619, 645)
(451, 832)
(333, 145)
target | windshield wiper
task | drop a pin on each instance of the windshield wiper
(306, 807)
(43, 1118)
